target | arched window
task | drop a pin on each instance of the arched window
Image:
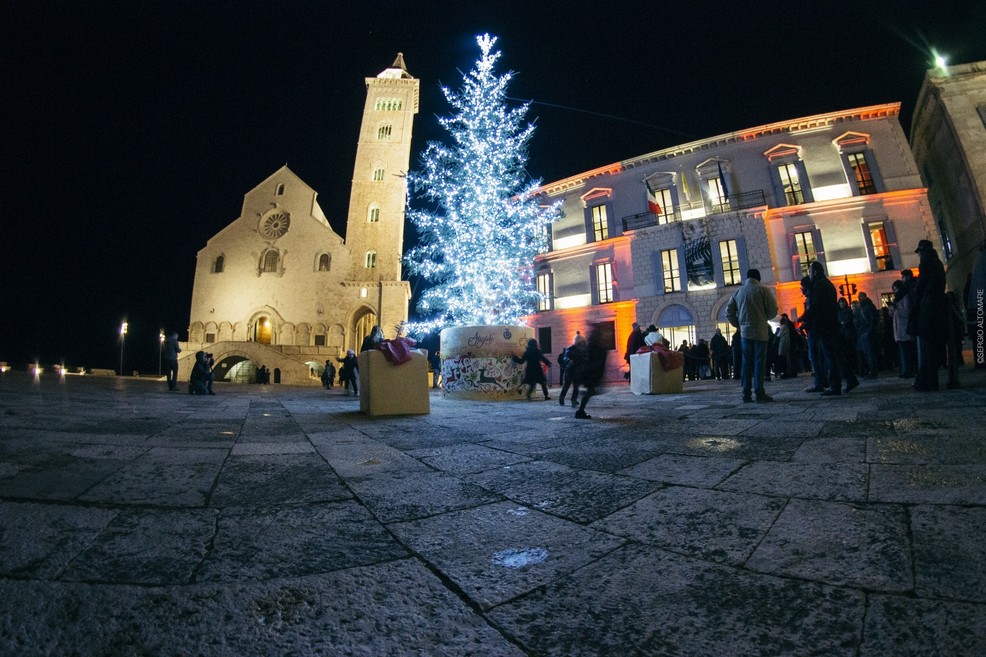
(219, 265)
(378, 174)
(280, 190)
(384, 132)
(374, 215)
(324, 262)
(371, 259)
(270, 261)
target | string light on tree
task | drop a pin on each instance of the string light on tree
(483, 224)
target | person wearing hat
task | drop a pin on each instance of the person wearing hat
(927, 320)
(634, 342)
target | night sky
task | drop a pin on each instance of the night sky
(132, 130)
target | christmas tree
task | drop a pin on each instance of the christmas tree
(484, 224)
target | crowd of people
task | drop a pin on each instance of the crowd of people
(836, 340)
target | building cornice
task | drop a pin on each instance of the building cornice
(805, 124)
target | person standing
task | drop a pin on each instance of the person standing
(748, 310)
(435, 360)
(371, 341)
(171, 351)
(867, 332)
(328, 375)
(927, 321)
(824, 316)
(720, 355)
(592, 373)
(900, 314)
(634, 342)
(816, 358)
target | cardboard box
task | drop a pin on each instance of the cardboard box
(386, 389)
(647, 377)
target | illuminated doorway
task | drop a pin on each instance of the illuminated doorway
(262, 330)
(364, 324)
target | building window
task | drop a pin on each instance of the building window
(600, 223)
(861, 170)
(388, 104)
(717, 194)
(607, 335)
(664, 206)
(880, 245)
(374, 215)
(804, 243)
(384, 132)
(320, 340)
(280, 190)
(604, 283)
(323, 262)
(210, 337)
(371, 259)
(544, 291)
(219, 265)
(729, 256)
(671, 270)
(378, 174)
(791, 184)
(270, 261)
(544, 339)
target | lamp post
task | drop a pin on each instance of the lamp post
(123, 338)
(160, 347)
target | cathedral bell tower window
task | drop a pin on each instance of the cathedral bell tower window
(371, 259)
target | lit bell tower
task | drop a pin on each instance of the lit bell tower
(375, 227)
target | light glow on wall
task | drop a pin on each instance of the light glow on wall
(573, 301)
(850, 266)
(569, 242)
(830, 192)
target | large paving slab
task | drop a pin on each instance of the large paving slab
(272, 520)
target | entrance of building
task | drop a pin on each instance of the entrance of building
(364, 325)
(262, 330)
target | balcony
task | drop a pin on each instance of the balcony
(741, 201)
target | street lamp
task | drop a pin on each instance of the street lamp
(123, 338)
(160, 347)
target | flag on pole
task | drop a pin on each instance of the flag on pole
(652, 204)
(722, 181)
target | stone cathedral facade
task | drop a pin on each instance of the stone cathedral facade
(279, 288)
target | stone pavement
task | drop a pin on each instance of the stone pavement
(273, 520)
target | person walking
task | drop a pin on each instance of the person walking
(748, 310)
(592, 373)
(927, 321)
(574, 369)
(350, 371)
(532, 359)
(171, 351)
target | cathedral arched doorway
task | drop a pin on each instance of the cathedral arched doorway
(363, 324)
(262, 330)
(235, 369)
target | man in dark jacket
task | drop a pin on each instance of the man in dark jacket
(927, 321)
(634, 342)
(822, 318)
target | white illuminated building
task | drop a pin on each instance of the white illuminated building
(665, 238)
